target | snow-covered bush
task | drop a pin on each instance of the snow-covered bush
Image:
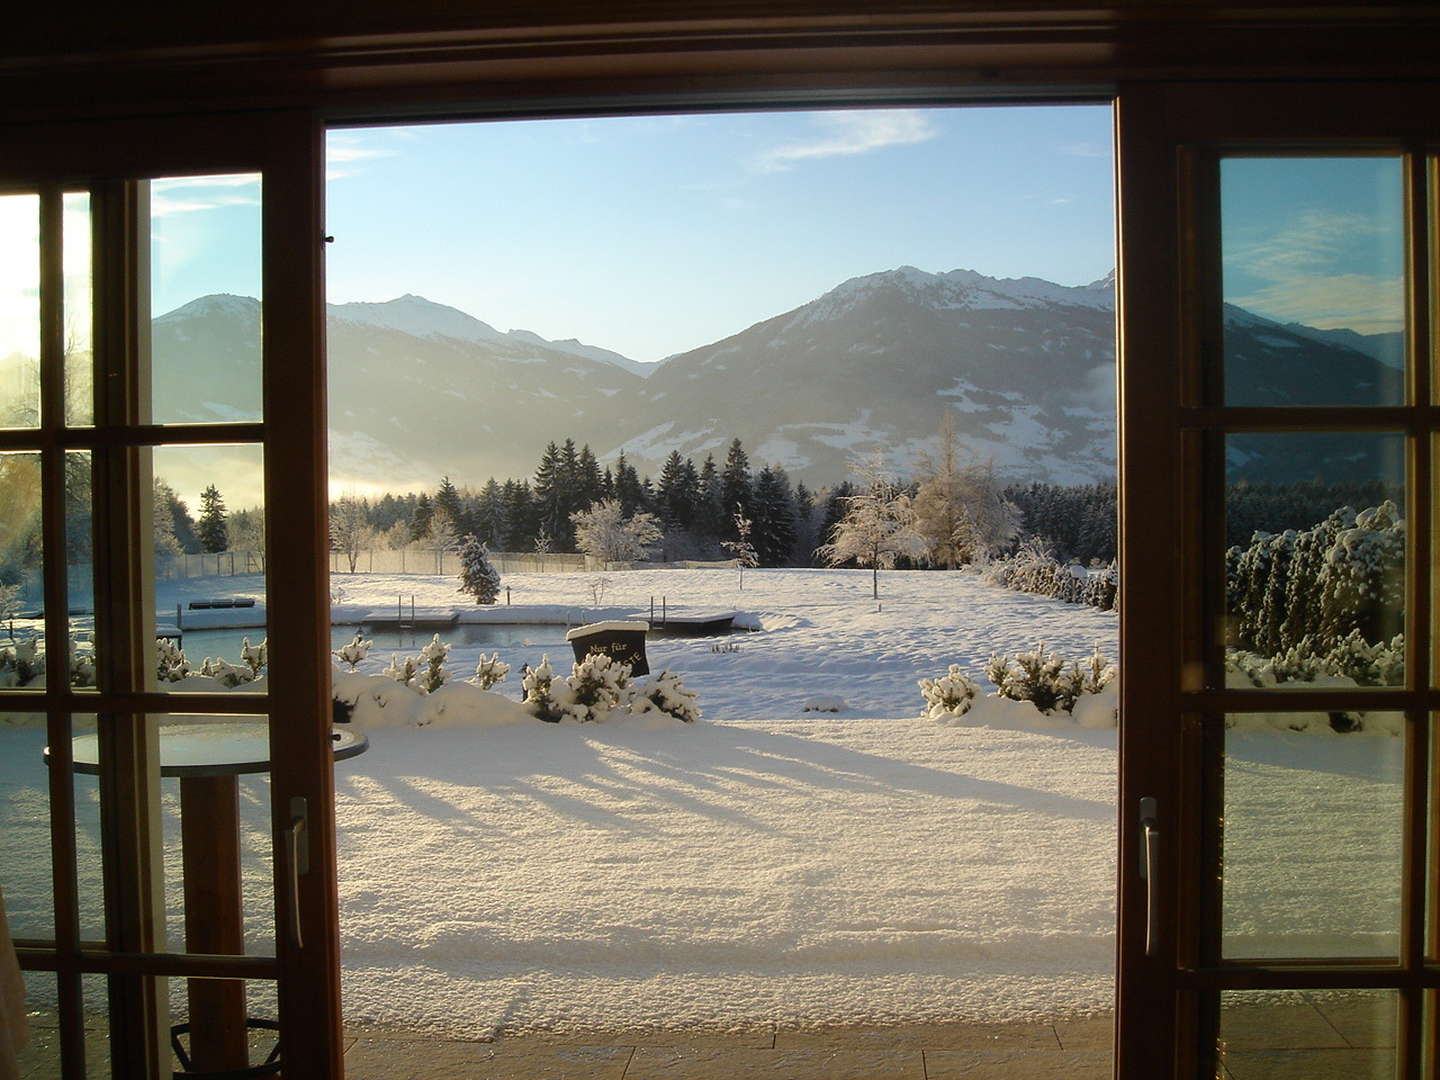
(21, 664)
(353, 653)
(1343, 575)
(597, 685)
(537, 682)
(665, 693)
(432, 666)
(255, 657)
(951, 695)
(403, 671)
(1351, 659)
(171, 663)
(225, 673)
(490, 670)
(1047, 680)
(478, 576)
(1035, 569)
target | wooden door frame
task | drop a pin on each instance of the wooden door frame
(1168, 137)
(287, 147)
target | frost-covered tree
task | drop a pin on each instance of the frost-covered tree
(478, 576)
(211, 528)
(959, 508)
(444, 532)
(741, 549)
(9, 605)
(606, 533)
(878, 526)
(246, 529)
(350, 531)
(162, 526)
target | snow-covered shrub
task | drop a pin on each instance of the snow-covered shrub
(255, 657)
(951, 695)
(432, 666)
(1035, 569)
(225, 673)
(1345, 574)
(353, 653)
(171, 663)
(490, 670)
(478, 576)
(538, 683)
(597, 685)
(21, 664)
(403, 671)
(1047, 680)
(824, 703)
(665, 693)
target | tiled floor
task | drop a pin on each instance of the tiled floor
(1297, 1036)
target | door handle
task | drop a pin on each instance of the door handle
(297, 859)
(1149, 868)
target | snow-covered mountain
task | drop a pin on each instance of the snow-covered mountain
(424, 318)
(1026, 368)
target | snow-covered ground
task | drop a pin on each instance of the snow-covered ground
(768, 865)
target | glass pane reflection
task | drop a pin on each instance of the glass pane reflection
(20, 310)
(1320, 1035)
(1314, 288)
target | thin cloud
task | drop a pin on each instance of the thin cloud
(162, 206)
(851, 133)
(1085, 149)
(343, 150)
(1306, 274)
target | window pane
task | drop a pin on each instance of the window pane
(209, 594)
(22, 593)
(1315, 561)
(25, 869)
(1312, 823)
(1320, 1035)
(79, 358)
(80, 567)
(1312, 253)
(205, 298)
(20, 311)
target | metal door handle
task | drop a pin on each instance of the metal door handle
(297, 858)
(1149, 865)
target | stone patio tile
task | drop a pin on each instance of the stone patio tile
(396, 1059)
(40, 1059)
(762, 1038)
(1016, 1063)
(1309, 1064)
(1363, 1019)
(1277, 1027)
(652, 1063)
(1095, 1034)
(956, 1036)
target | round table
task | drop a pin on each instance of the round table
(207, 758)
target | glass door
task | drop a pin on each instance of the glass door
(1278, 890)
(166, 800)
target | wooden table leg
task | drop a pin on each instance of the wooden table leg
(214, 919)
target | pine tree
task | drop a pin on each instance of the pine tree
(420, 517)
(735, 493)
(774, 523)
(447, 498)
(628, 489)
(710, 517)
(550, 492)
(589, 483)
(519, 516)
(478, 577)
(803, 551)
(673, 496)
(211, 529)
(490, 514)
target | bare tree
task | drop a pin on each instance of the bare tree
(350, 531)
(878, 526)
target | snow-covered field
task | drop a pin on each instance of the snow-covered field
(768, 865)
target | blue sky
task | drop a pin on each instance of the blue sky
(654, 235)
(1316, 240)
